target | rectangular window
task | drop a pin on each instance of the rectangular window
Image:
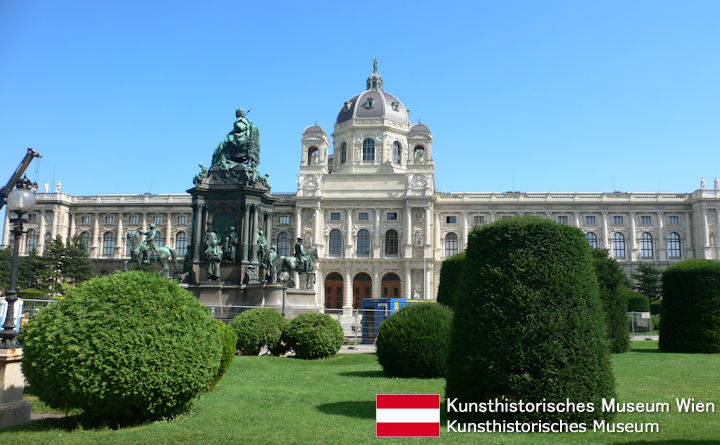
(334, 216)
(32, 217)
(646, 220)
(85, 219)
(590, 220)
(617, 220)
(562, 219)
(158, 219)
(478, 219)
(284, 219)
(363, 216)
(392, 216)
(133, 219)
(182, 219)
(451, 219)
(673, 219)
(109, 219)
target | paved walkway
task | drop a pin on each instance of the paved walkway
(352, 349)
(644, 337)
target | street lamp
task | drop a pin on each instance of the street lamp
(20, 201)
(284, 276)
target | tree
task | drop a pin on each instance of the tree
(76, 265)
(54, 257)
(611, 280)
(32, 272)
(648, 281)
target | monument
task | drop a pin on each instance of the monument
(229, 260)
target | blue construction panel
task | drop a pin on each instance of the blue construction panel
(376, 310)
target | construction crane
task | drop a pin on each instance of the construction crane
(5, 191)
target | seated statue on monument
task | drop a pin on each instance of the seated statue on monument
(241, 146)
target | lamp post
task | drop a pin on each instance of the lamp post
(284, 276)
(19, 201)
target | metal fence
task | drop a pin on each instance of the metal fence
(640, 323)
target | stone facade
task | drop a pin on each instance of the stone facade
(367, 199)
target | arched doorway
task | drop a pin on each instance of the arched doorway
(334, 291)
(362, 285)
(391, 285)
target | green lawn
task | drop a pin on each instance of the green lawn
(281, 401)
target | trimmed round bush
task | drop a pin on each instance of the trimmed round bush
(637, 302)
(611, 281)
(414, 341)
(450, 273)
(228, 338)
(691, 307)
(531, 325)
(313, 335)
(656, 308)
(124, 348)
(257, 329)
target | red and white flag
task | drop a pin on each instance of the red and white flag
(407, 415)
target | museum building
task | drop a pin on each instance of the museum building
(366, 198)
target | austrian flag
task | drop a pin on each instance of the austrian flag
(407, 415)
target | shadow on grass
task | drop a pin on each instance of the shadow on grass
(365, 374)
(645, 351)
(68, 423)
(361, 409)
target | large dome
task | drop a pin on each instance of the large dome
(374, 103)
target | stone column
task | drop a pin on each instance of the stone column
(168, 232)
(54, 228)
(254, 235)
(577, 219)
(268, 230)
(706, 230)
(347, 291)
(197, 231)
(464, 240)
(661, 253)
(605, 240)
(407, 284)
(71, 231)
(686, 242)
(377, 249)
(633, 236)
(428, 227)
(120, 240)
(41, 241)
(298, 225)
(144, 222)
(349, 239)
(245, 233)
(96, 235)
(437, 230)
(376, 290)
(6, 229)
(427, 293)
(319, 235)
(408, 236)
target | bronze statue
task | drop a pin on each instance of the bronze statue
(213, 256)
(200, 176)
(139, 250)
(241, 145)
(210, 237)
(234, 241)
(270, 264)
(150, 241)
(261, 246)
(301, 263)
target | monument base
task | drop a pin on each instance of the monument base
(255, 295)
(14, 410)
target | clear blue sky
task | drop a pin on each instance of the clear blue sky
(129, 97)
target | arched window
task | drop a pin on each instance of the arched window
(592, 240)
(673, 246)
(390, 285)
(646, 245)
(362, 287)
(32, 240)
(618, 245)
(368, 150)
(181, 244)
(283, 244)
(85, 238)
(363, 243)
(451, 244)
(159, 240)
(343, 153)
(313, 156)
(335, 242)
(397, 157)
(108, 244)
(334, 291)
(391, 242)
(419, 154)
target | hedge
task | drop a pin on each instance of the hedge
(637, 302)
(531, 325)
(413, 342)
(229, 344)
(450, 274)
(611, 281)
(258, 329)
(124, 348)
(313, 335)
(656, 308)
(691, 307)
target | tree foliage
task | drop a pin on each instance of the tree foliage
(611, 281)
(648, 281)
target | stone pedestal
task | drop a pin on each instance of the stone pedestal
(14, 410)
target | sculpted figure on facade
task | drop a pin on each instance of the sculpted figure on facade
(210, 237)
(702, 183)
(270, 265)
(213, 256)
(261, 246)
(233, 244)
(717, 183)
(201, 175)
